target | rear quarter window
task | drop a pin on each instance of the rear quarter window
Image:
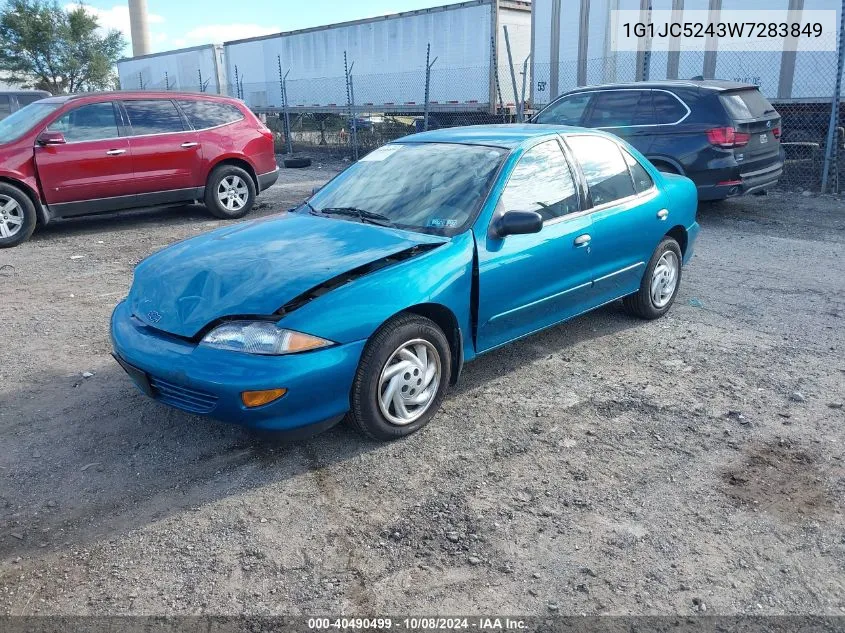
(204, 114)
(668, 109)
(746, 104)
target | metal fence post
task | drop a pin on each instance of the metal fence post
(521, 106)
(350, 99)
(428, 66)
(510, 66)
(830, 147)
(283, 90)
(495, 62)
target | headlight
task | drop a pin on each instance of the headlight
(261, 337)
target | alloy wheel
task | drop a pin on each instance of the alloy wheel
(232, 193)
(11, 216)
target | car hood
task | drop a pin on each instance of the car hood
(255, 268)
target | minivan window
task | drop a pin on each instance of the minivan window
(92, 122)
(204, 114)
(19, 123)
(565, 111)
(158, 116)
(620, 108)
(5, 106)
(747, 104)
(605, 170)
(542, 182)
(26, 99)
(667, 108)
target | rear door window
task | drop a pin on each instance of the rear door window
(205, 114)
(747, 104)
(621, 108)
(92, 122)
(566, 111)
(158, 116)
(667, 108)
(604, 168)
(642, 181)
(5, 106)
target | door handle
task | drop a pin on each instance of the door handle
(663, 214)
(115, 152)
(582, 240)
(189, 144)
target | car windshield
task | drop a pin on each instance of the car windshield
(19, 123)
(427, 187)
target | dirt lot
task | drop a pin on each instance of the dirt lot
(695, 463)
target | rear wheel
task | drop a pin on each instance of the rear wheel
(401, 379)
(660, 282)
(17, 216)
(229, 192)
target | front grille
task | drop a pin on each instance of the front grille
(181, 397)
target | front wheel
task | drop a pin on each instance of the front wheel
(229, 192)
(660, 282)
(17, 216)
(401, 379)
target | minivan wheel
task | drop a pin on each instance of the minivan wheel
(402, 378)
(660, 283)
(229, 192)
(17, 216)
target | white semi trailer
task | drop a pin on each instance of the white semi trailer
(196, 69)
(387, 58)
(571, 47)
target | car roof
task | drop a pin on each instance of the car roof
(130, 94)
(718, 85)
(507, 136)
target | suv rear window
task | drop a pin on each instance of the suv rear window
(619, 108)
(153, 117)
(667, 108)
(746, 104)
(205, 114)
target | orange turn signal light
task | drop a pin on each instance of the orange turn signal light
(258, 398)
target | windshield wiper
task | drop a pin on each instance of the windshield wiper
(362, 214)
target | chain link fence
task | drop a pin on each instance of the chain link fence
(349, 115)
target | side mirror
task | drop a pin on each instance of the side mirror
(51, 138)
(518, 223)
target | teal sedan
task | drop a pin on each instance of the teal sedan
(365, 302)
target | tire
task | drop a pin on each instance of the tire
(643, 303)
(17, 216)
(242, 187)
(297, 162)
(368, 414)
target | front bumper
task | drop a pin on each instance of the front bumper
(207, 381)
(265, 181)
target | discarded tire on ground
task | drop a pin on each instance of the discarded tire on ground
(297, 162)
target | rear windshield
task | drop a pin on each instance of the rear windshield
(22, 121)
(747, 104)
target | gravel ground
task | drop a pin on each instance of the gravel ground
(607, 465)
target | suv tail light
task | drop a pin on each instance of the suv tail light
(776, 132)
(727, 137)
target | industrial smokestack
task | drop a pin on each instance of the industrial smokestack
(140, 27)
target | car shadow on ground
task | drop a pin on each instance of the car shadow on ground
(176, 215)
(89, 459)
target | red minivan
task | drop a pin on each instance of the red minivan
(76, 155)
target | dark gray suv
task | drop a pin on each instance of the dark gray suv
(724, 136)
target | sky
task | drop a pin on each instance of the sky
(181, 23)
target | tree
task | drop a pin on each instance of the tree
(44, 46)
